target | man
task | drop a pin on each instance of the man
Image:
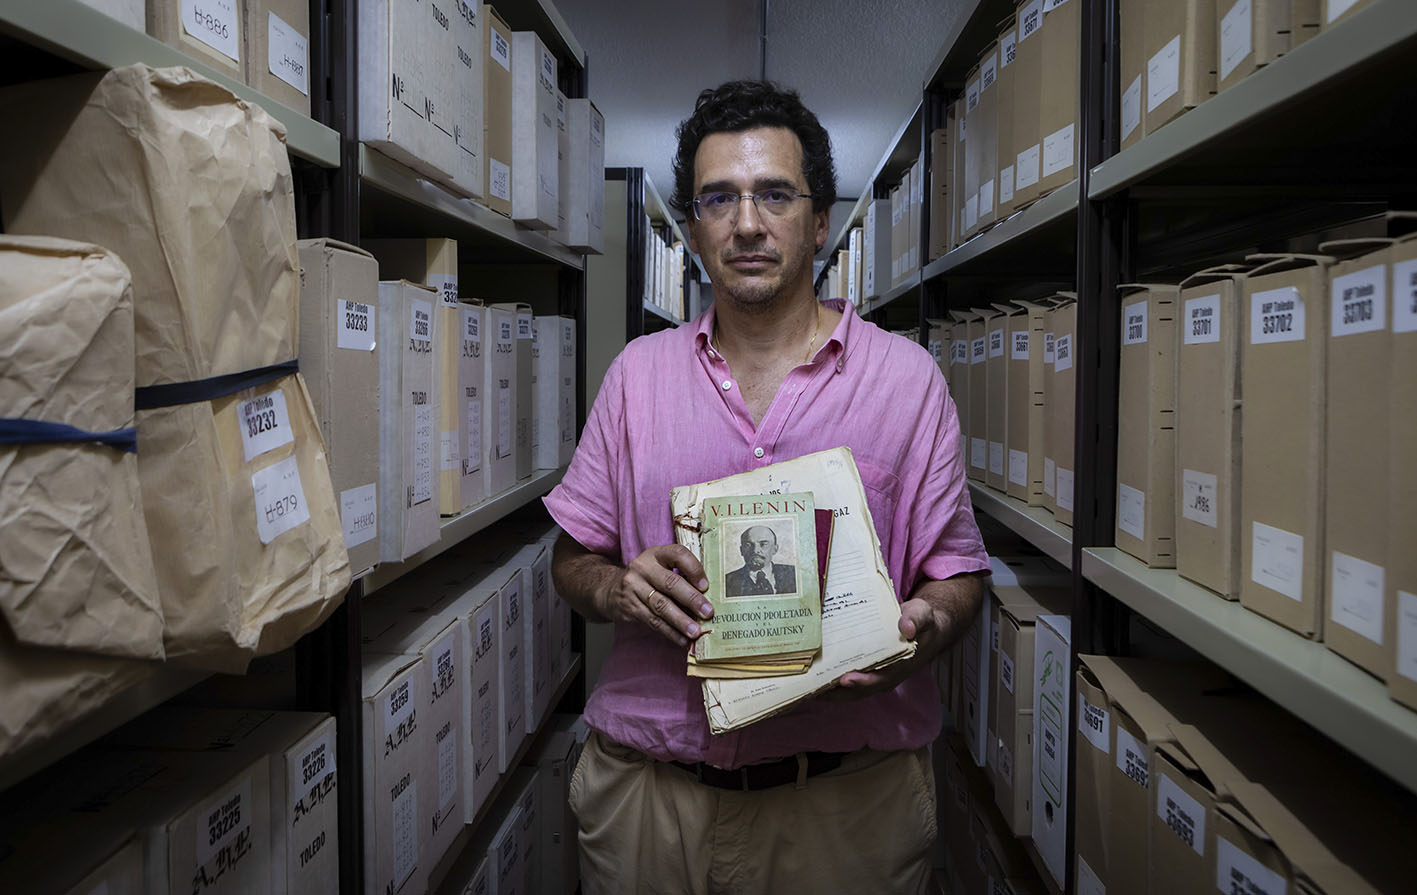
(759, 574)
(836, 796)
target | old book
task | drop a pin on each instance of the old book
(860, 614)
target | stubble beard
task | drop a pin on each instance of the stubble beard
(753, 296)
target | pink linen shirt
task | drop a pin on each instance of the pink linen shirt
(669, 413)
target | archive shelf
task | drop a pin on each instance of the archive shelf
(85, 36)
(1034, 524)
(1041, 234)
(543, 18)
(1307, 678)
(656, 311)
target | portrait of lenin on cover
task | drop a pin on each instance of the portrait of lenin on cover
(759, 574)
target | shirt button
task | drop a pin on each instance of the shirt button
(727, 385)
(758, 452)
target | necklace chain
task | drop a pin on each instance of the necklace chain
(811, 343)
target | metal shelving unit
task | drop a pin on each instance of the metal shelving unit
(1014, 239)
(1034, 524)
(1307, 678)
(657, 311)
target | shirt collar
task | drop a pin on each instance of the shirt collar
(703, 329)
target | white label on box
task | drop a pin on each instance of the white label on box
(1406, 635)
(959, 352)
(986, 197)
(1337, 8)
(524, 326)
(1132, 758)
(996, 343)
(1235, 41)
(1026, 167)
(1063, 353)
(971, 211)
(1005, 761)
(214, 23)
(1404, 299)
(1198, 497)
(504, 420)
(937, 351)
(1131, 107)
(280, 501)
(1088, 883)
(264, 423)
(398, 711)
(971, 96)
(1277, 560)
(1237, 872)
(1163, 74)
(422, 455)
(222, 820)
(447, 288)
(988, 71)
(1065, 489)
(1058, 151)
(1006, 671)
(1020, 345)
(1276, 315)
(1030, 19)
(318, 762)
(501, 50)
(420, 321)
(1049, 350)
(1360, 302)
(449, 782)
(472, 327)
(1356, 595)
(1183, 814)
(1049, 474)
(448, 450)
(996, 457)
(355, 327)
(977, 352)
(1094, 722)
(1134, 323)
(1018, 468)
(1202, 321)
(499, 180)
(288, 54)
(1131, 511)
(474, 437)
(359, 514)
(1006, 184)
(506, 334)
(405, 831)
(978, 450)
(1008, 48)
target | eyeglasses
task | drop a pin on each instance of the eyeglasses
(718, 207)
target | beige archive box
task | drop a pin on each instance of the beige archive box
(1335, 11)
(398, 778)
(211, 34)
(554, 423)
(973, 150)
(499, 405)
(585, 180)
(1132, 104)
(1400, 591)
(403, 56)
(513, 723)
(999, 338)
(979, 326)
(1026, 403)
(937, 337)
(1146, 425)
(535, 562)
(1357, 464)
(1094, 745)
(1004, 156)
(481, 605)
(472, 384)
(1250, 34)
(1062, 394)
(1180, 58)
(65, 853)
(466, 71)
(130, 12)
(429, 262)
(522, 391)
(941, 168)
(497, 110)
(253, 553)
(959, 377)
(1028, 96)
(959, 129)
(1208, 413)
(278, 51)
(1282, 440)
(409, 404)
(535, 176)
(563, 171)
(339, 355)
(1060, 98)
(1052, 739)
(853, 266)
(987, 132)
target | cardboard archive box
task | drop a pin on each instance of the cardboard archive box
(958, 116)
(935, 340)
(1180, 58)
(240, 493)
(1400, 591)
(404, 57)
(1094, 745)
(959, 378)
(482, 605)
(979, 326)
(973, 150)
(132, 13)
(429, 262)
(1027, 406)
(563, 171)
(497, 110)
(499, 405)
(511, 603)
(214, 35)
(1059, 100)
(1062, 386)
(1028, 95)
(505, 853)
(1004, 157)
(1282, 440)
(840, 273)
(975, 655)
(555, 761)
(1208, 413)
(1250, 34)
(120, 872)
(941, 167)
(278, 50)
(554, 415)
(472, 372)
(853, 265)
(997, 424)
(912, 227)
(1335, 11)
(409, 413)
(900, 223)
(1132, 108)
(534, 560)
(1146, 427)
(339, 355)
(877, 248)
(987, 132)
(1052, 698)
(529, 833)
(466, 71)
(584, 184)
(522, 390)
(1356, 453)
(398, 776)
(535, 176)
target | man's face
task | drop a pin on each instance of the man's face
(759, 547)
(753, 258)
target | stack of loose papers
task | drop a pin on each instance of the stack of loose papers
(860, 613)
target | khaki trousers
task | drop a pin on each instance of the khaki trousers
(648, 827)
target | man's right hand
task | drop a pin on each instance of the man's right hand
(650, 591)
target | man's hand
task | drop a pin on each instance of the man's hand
(936, 615)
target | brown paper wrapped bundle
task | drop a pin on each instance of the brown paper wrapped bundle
(191, 186)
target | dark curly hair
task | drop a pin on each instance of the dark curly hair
(744, 105)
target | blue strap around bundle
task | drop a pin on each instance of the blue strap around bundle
(19, 431)
(151, 397)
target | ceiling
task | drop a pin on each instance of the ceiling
(859, 65)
